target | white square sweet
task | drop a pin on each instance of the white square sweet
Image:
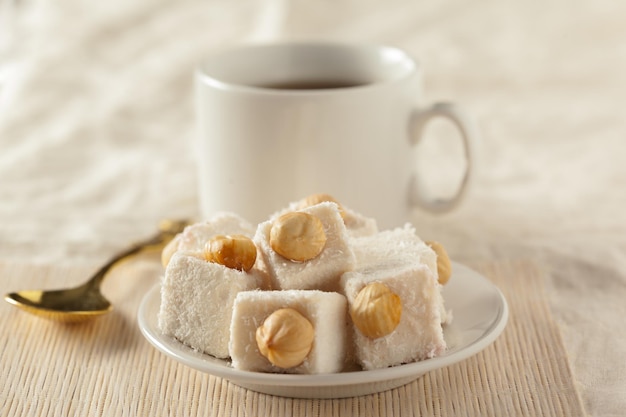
(359, 225)
(419, 334)
(356, 223)
(195, 236)
(390, 247)
(197, 299)
(321, 272)
(326, 312)
(399, 245)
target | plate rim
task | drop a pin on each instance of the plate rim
(224, 370)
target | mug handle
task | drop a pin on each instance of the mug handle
(468, 134)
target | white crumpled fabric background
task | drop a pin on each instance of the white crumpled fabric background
(96, 125)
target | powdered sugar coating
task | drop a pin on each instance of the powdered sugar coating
(197, 299)
(325, 310)
(321, 272)
(419, 334)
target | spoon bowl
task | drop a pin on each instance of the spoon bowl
(69, 305)
(85, 302)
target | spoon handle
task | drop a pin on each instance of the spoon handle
(168, 230)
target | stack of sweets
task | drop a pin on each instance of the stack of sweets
(316, 288)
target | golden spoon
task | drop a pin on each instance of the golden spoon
(86, 301)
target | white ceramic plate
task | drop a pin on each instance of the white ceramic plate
(480, 314)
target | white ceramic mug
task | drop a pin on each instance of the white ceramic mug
(278, 122)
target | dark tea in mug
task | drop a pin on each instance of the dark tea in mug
(312, 84)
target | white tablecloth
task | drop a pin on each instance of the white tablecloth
(96, 125)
